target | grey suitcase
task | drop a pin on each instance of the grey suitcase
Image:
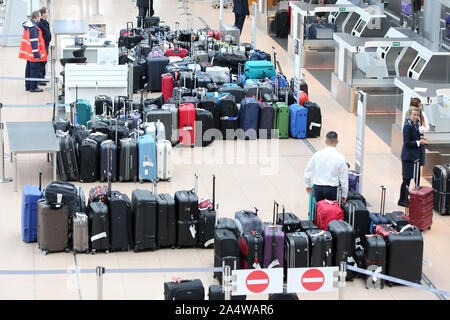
(173, 130)
(52, 228)
(165, 117)
(80, 233)
(230, 32)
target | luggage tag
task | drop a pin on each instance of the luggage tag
(193, 231)
(273, 264)
(98, 236)
(59, 198)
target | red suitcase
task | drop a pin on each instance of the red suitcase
(167, 86)
(384, 230)
(214, 34)
(328, 211)
(421, 204)
(186, 124)
(181, 52)
(302, 97)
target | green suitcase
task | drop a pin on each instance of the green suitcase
(281, 120)
(83, 112)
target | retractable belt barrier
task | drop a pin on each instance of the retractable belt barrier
(106, 270)
(28, 79)
(34, 105)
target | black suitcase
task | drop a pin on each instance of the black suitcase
(226, 250)
(59, 193)
(119, 129)
(186, 208)
(265, 120)
(158, 101)
(121, 221)
(187, 80)
(252, 250)
(119, 104)
(398, 220)
(144, 212)
(281, 23)
(99, 227)
(67, 158)
(139, 74)
(296, 250)
(89, 160)
(202, 79)
(343, 241)
(152, 21)
(283, 296)
(229, 117)
(180, 92)
(128, 155)
(441, 188)
(207, 222)
(375, 254)
(227, 224)
(215, 293)
(229, 60)
(314, 120)
(307, 225)
(321, 244)
(167, 226)
(97, 128)
(103, 105)
(204, 122)
(156, 66)
(79, 133)
(354, 195)
(404, 255)
(212, 87)
(108, 160)
(237, 92)
(210, 104)
(282, 92)
(289, 221)
(357, 215)
(184, 290)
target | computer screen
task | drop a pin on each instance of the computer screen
(407, 7)
(97, 30)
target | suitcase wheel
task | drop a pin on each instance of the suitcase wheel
(136, 248)
(193, 145)
(135, 180)
(67, 250)
(87, 251)
(170, 179)
(107, 251)
(120, 179)
(141, 181)
(93, 251)
(45, 252)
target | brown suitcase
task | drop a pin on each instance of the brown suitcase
(81, 233)
(53, 228)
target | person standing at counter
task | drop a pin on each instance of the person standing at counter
(44, 25)
(413, 141)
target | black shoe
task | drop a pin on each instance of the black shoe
(42, 83)
(37, 90)
(403, 204)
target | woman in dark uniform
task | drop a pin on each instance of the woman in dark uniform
(411, 152)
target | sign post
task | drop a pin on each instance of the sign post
(360, 136)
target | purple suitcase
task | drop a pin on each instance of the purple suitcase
(353, 180)
(273, 244)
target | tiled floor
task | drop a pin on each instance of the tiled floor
(248, 175)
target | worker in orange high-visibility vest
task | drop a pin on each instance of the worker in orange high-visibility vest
(32, 49)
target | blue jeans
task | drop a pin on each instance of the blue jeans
(325, 193)
(32, 70)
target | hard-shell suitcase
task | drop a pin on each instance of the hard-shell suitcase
(247, 221)
(173, 130)
(281, 23)
(108, 160)
(165, 117)
(184, 290)
(441, 188)
(186, 124)
(89, 160)
(298, 116)
(99, 227)
(328, 211)
(121, 221)
(30, 197)
(321, 244)
(207, 221)
(232, 31)
(307, 225)
(167, 226)
(167, 86)
(274, 238)
(147, 158)
(204, 122)
(357, 215)
(144, 212)
(66, 157)
(229, 60)
(215, 293)
(228, 224)
(314, 120)
(229, 117)
(103, 105)
(237, 92)
(164, 160)
(296, 250)
(421, 203)
(252, 250)
(281, 120)
(248, 118)
(186, 208)
(156, 66)
(187, 80)
(343, 241)
(265, 120)
(52, 228)
(302, 98)
(80, 232)
(259, 69)
(289, 221)
(375, 254)
(128, 154)
(354, 195)
(210, 104)
(226, 251)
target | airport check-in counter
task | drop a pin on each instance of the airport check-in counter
(265, 14)
(435, 98)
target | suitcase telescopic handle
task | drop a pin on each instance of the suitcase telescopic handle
(275, 211)
(383, 199)
(284, 213)
(416, 173)
(40, 180)
(196, 183)
(214, 191)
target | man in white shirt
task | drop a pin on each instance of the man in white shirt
(329, 169)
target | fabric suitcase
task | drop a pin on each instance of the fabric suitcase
(354, 195)
(89, 167)
(172, 130)
(202, 79)
(247, 221)
(398, 220)
(259, 69)
(228, 224)
(353, 180)
(328, 211)
(321, 244)
(52, 227)
(237, 92)
(289, 221)
(314, 120)
(302, 98)
(357, 215)
(215, 293)
(281, 120)
(156, 67)
(59, 193)
(144, 213)
(384, 230)
(281, 23)
(219, 75)
(226, 250)
(103, 105)
(210, 104)
(184, 290)
(30, 197)
(121, 221)
(80, 232)
(164, 160)
(151, 21)
(296, 250)
(167, 86)
(186, 124)
(248, 118)
(229, 117)
(229, 60)
(343, 241)
(441, 188)
(204, 122)
(180, 52)
(252, 250)
(108, 160)
(265, 120)
(147, 158)
(298, 116)
(321, 30)
(186, 208)
(128, 154)
(375, 254)
(231, 31)
(99, 227)
(421, 203)
(167, 226)
(66, 157)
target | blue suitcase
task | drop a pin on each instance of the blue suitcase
(147, 158)
(30, 196)
(248, 117)
(298, 118)
(259, 69)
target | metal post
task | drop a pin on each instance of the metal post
(226, 286)
(342, 276)
(3, 179)
(221, 14)
(100, 271)
(97, 9)
(255, 10)
(53, 72)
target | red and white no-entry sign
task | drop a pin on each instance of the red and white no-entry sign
(313, 279)
(257, 281)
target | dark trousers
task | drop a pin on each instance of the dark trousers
(143, 12)
(239, 20)
(32, 70)
(43, 64)
(325, 193)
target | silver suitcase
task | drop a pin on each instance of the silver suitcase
(164, 160)
(81, 233)
(156, 129)
(230, 32)
(174, 130)
(201, 57)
